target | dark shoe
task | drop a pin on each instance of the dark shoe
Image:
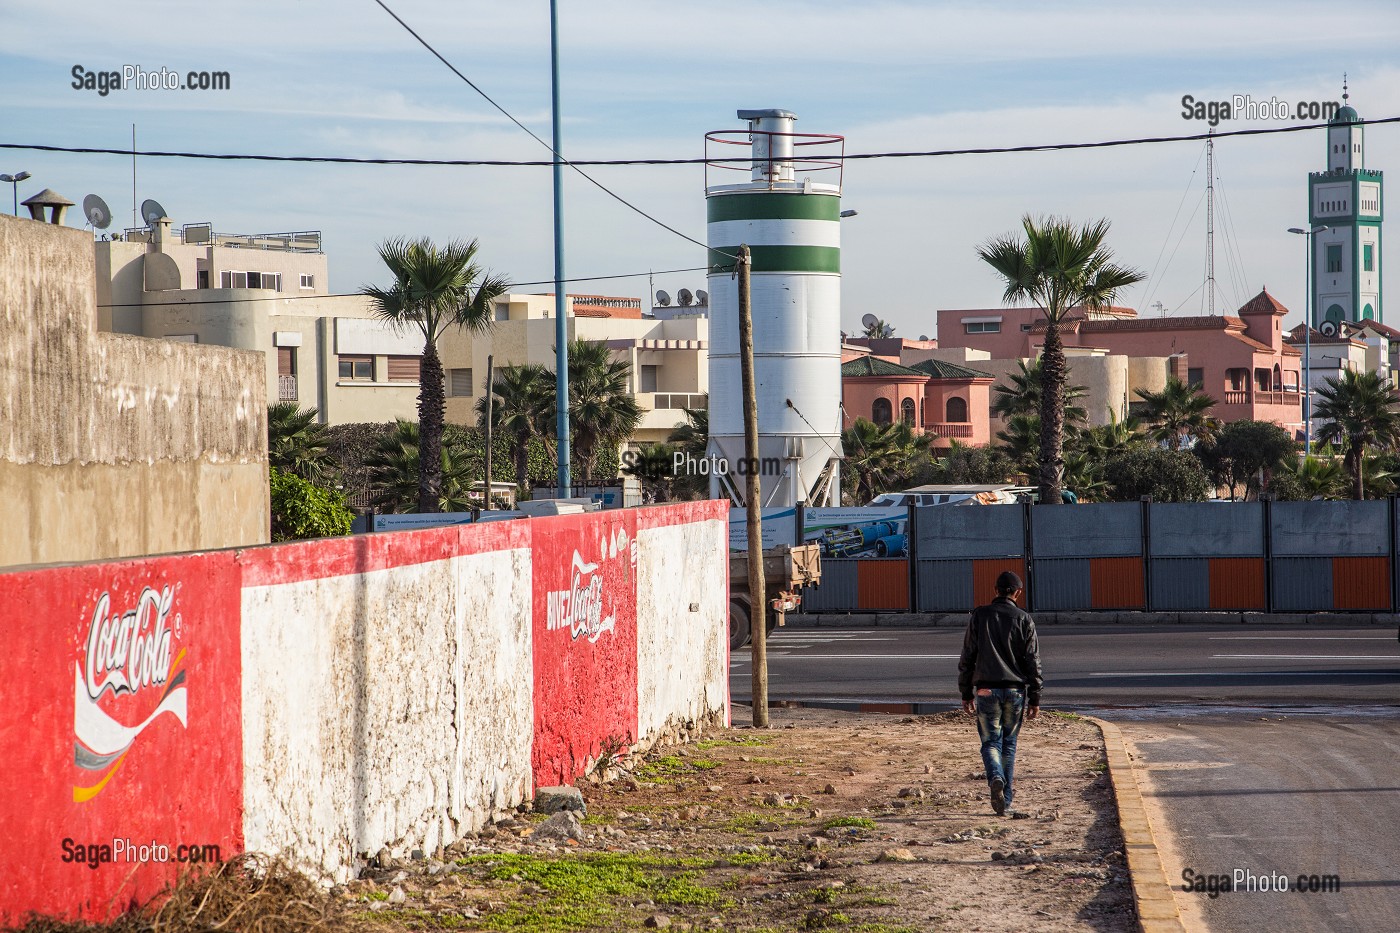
(998, 796)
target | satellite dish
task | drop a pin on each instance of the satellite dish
(869, 320)
(1327, 328)
(96, 211)
(702, 297)
(684, 297)
(923, 336)
(152, 212)
(663, 299)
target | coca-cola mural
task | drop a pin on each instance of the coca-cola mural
(145, 766)
(585, 641)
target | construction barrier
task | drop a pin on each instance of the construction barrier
(1171, 557)
(324, 700)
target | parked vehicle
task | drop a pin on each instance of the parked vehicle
(995, 494)
(787, 568)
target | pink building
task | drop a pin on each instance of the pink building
(941, 399)
(1241, 360)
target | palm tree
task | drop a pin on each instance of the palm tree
(1360, 411)
(1104, 440)
(1058, 267)
(1317, 477)
(394, 471)
(522, 408)
(880, 456)
(1023, 395)
(691, 438)
(1179, 410)
(297, 443)
(435, 288)
(1021, 441)
(602, 410)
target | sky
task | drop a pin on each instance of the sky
(649, 79)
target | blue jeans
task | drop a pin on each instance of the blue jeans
(998, 723)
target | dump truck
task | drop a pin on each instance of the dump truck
(787, 568)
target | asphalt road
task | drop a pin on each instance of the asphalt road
(1274, 751)
(1100, 666)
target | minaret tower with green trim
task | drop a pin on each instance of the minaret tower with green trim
(1348, 199)
(791, 222)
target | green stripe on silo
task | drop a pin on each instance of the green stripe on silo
(781, 258)
(772, 205)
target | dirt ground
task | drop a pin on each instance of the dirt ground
(826, 820)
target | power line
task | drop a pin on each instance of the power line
(558, 159)
(576, 163)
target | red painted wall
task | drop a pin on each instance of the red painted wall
(584, 582)
(122, 728)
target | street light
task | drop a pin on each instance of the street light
(14, 181)
(1307, 236)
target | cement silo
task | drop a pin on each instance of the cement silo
(788, 212)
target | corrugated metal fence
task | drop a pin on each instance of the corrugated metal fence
(1239, 556)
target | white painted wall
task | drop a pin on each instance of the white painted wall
(682, 656)
(407, 690)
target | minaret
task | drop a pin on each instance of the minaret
(1347, 198)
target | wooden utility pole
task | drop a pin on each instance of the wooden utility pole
(490, 397)
(758, 598)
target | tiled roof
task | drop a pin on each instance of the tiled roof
(1263, 303)
(1382, 329)
(874, 366)
(938, 369)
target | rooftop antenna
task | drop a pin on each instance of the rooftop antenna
(1161, 308)
(134, 215)
(152, 212)
(1210, 220)
(97, 212)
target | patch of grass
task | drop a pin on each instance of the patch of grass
(855, 822)
(668, 766)
(577, 890)
(377, 896)
(1071, 717)
(704, 764)
(1097, 767)
(748, 742)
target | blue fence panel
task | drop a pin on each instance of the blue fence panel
(948, 532)
(1302, 584)
(837, 591)
(945, 585)
(1179, 583)
(1347, 528)
(1061, 583)
(1104, 529)
(1205, 529)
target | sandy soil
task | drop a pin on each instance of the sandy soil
(824, 821)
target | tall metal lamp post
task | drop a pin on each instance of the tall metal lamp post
(1307, 236)
(13, 181)
(561, 301)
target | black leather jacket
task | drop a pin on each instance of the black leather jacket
(1000, 649)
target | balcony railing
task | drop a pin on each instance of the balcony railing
(1263, 397)
(949, 429)
(287, 388)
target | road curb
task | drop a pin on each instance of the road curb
(1152, 893)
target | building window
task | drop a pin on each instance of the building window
(982, 327)
(201, 278)
(1237, 379)
(906, 411)
(357, 368)
(882, 412)
(404, 368)
(1195, 376)
(1025, 328)
(1334, 257)
(459, 383)
(503, 312)
(956, 410)
(1368, 258)
(287, 374)
(269, 280)
(648, 378)
(308, 280)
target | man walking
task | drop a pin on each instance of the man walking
(999, 679)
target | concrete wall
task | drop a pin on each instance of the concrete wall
(113, 445)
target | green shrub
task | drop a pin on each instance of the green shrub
(304, 510)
